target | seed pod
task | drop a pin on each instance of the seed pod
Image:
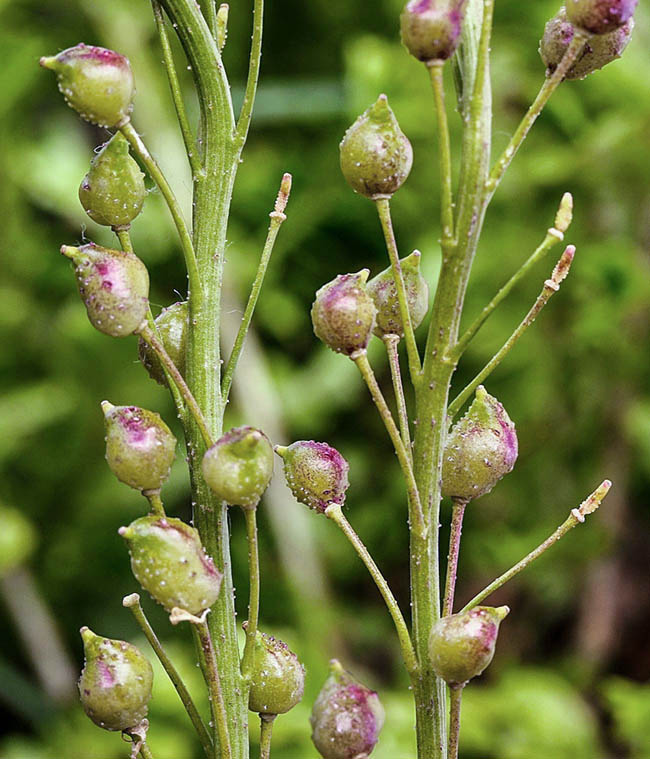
(96, 82)
(171, 325)
(597, 53)
(168, 560)
(277, 677)
(113, 191)
(316, 473)
(140, 447)
(239, 467)
(347, 717)
(383, 291)
(376, 156)
(600, 16)
(481, 449)
(343, 314)
(114, 286)
(462, 645)
(431, 29)
(115, 683)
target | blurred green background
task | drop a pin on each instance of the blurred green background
(573, 657)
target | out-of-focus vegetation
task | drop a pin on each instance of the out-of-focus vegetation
(573, 655)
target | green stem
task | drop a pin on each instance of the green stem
(580, 38)
(436, 69)
(132, 602)
(222, 26)
(266, 731)
(277, 217)
(145, 752)
(383, 209)
(551, 286)
(155, 502)
(576, 517)
(210, 14)
(140, 149)
(455, 699)
(458, 511)
(124, 237)
(254, 593)
(246, 113)
(334, 512)
(217, 704)
(391, 342)
(360, 358)
(175, 87)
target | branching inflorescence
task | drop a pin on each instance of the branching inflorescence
(187, 569)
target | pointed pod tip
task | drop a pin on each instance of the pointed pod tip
(501, 612)
(69, 251)
(87, 635)
(107, 407)
(281, 450)
(363, 275)
(47, 61)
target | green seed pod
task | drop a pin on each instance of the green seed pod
(316, 473)
(462, 645)
(277, 677)
(115, 683)
(431, 29)
(172, 326)
(140, 447)
(343, 314)
(481, 449)
(114, 286)
(113, 191)
(347, 717)
(239, 467)
(17, 539)
(168, 560)
(600, 16)
(383, 291)
(376, 156)
(96, 82)
(597, 53)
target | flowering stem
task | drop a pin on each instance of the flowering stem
(360, 358)
(455, 698)
(577, 516)
(254, 593)
(551, 286)
(436, 69)
(245, 115)
(132, 602)
(266, 730)
(458, 511)
(277, 217)
(383, 209)
(334, 512)
(217, 704)
(391, 342)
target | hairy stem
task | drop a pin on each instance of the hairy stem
(458, 511)
(455, 699)
(436, 69)
(215, 693)
(254, 593)
(244, 122)
(266, 731)
(391, 342)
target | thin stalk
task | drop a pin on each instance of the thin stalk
(580, 38)
(391, 342)
(175, 87)
(277, 217)
(360, 358)
(210, 13)
(215, 694)
(334, 512)
(141, 151)
(132, 602)
(551, 286)
(436, 69)
(383, 209)
(458, 511)
(246, 113)
(124, 237)
(155, 502)
(254, 592)
(266, 731)
(576, 517)
(145, 752)
(148, 336)
(455, 699)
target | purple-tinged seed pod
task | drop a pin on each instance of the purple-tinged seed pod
(597, 52)
(168, 560)
(114, 286)
(431, 29)
(171, 326)
(115, 683)
(277, 677)
(316, 473)
(140, 447)
(343, 313)
(600, 16)
(96, 82)
(461, 646)
(346, 718)
(481, 449)
(376, 156)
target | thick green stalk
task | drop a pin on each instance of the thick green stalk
(266, 731)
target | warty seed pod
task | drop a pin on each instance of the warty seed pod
(277, 677)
